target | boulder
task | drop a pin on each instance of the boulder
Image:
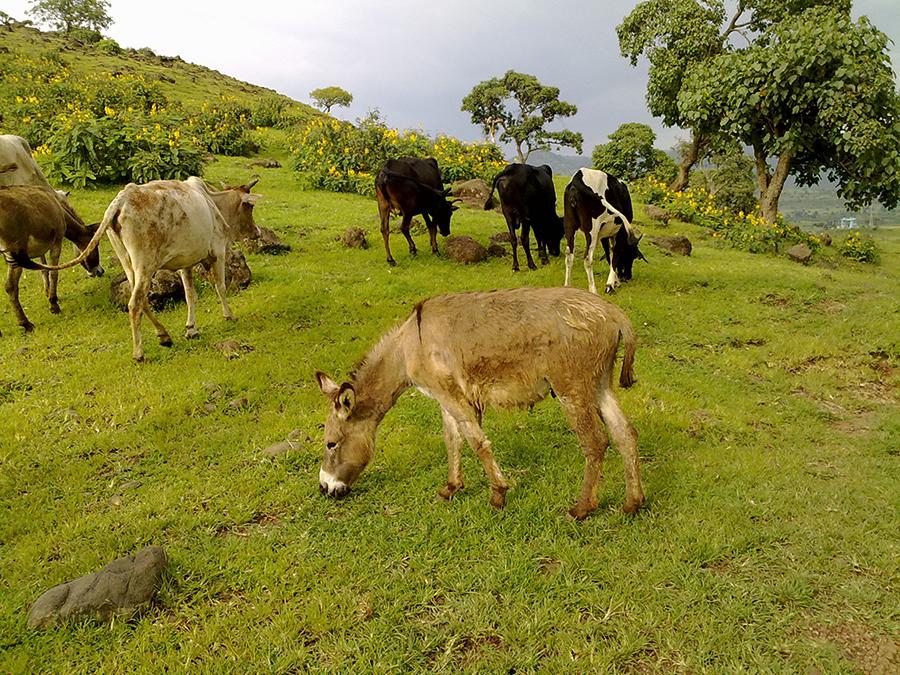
(473, 193)
(497, 251)
(465, 250)
(658, 214)
(121, 589)
(800, 253)
(266, 163)
(501, 238)
(237, 272)
(266, 242)
(354, 237)
(825, 238)
(678, 244)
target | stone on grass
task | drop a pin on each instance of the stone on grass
(265, 242)
(501, 238)
(825, 238)
(497, 250)
(294, 441)
(232, 348)
(800, 253)
(465, 250)
(678, 244)
(121, 589)
(473, 192)
(656, 213)
(354, 237)
(266, 163)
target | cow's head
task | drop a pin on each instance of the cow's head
(626, 254)
(443, 210)
(80, 234)
(238, 210)
(555, 233)
(349, 438)
(92, 262)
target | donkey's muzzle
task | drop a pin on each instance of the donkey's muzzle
(331, 486)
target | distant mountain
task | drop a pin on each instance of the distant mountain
(563, 165)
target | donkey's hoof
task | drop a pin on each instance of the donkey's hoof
(191, 333)
(632, 506)
(498, 499)
(448, 491)
(391, 262)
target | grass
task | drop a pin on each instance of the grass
(768, 424)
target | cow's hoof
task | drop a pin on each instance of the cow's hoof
(54, 309)
(448, 491)
(165, 341)
(191, 333)
(27, 326)
(610, 289)
(413, 252)
(138, 358)
(391, 262)
(532, 266)
(516, 268)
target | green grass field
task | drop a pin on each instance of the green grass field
(768, 422)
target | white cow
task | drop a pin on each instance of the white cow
(17, 166)
(173, 225)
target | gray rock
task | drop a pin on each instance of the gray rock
(800, 253)
(282, 448)
(825, 238)
(266, 163)
(465, 250)
(354, 237)
(121, 589)
(497, 250)
(679, 244)
(473, 192)
(266, 242)
(238, 404)
(501, 238)
(658, 214)
(232, 348)
(237, 272)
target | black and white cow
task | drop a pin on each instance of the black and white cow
(528, 198)
(599, 205)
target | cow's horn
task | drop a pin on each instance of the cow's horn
(252, 183)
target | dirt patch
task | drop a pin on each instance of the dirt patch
(776, 300)
(871, 653)
(829, 306)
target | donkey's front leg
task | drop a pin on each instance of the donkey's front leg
(482, 447)
(453, 440)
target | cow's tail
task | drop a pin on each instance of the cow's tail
(489, 204)
(18, 259)
(628, 338)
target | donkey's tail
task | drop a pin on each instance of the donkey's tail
(18, 259)
(629, 339)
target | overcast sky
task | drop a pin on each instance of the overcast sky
(414, 60)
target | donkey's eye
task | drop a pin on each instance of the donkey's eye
(331, 445)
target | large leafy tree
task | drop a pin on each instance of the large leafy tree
(328, 97)
(814, 93)
(675, 35)
(521, 108)
(65, 15)
(630, 154)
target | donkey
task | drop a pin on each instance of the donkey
(502, 349)
(171, 224)
(33, 222)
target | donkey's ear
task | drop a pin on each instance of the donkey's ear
(328, 386)
(346, 398)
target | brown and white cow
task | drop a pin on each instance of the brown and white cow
(173, 225)
(17, 166)
(33, 223)
(503, 349)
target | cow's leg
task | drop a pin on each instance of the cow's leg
(570, 255)
(624, 437)
(589, 259)
(453, 440)
(612, 280)
(432, 232)
(511, 224)
(55, 252)
(404, 229)
(527, 245)
(583, 415)
(161, 333)
(217, 272)
(384, 211)
(13, 274)
(140, 288)
(542, 250)
(190, 297)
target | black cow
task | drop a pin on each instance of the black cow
(599, 205)
(527, 197)
(411, 186)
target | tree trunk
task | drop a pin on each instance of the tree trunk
(687, 162)
(519, 155)
(771, 185)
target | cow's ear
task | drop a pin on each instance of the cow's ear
(346, 399)
(251, 198)
(328, 386)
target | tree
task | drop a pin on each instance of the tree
(815, 93)
(66, 15)
(730, 179)
(521, 107)
(629, 155)
(675, 35)
(328, 97)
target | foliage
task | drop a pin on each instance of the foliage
(87, 36)
(828, 105)
(328, 97)
(273, 112)
(743, 230)
(340, 157)
(522, 108)
(221, 128)
(730, 180)
(860, 248)
(108, 46)
(630, 154)
(66, 15)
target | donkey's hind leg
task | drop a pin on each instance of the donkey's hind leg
(624, 437)
(584, 417)
(474, 434)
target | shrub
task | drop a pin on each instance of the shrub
(859, 248)
(88, 36)
(108, 46)
(270, 112)
(222, 129)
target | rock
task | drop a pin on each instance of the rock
(465, 250)
(21, 351)
(473, 192)
(166, 286)
(354, 237)
(209, 407)
(232, 348)
(678, 244)
(121, 589)
(265, 163)
(658, 214)
(800, 253)
(281, 448)
(825, 238)
(266, 242)
(501, 238)
(497, 251)
(238, 404)
(115, 500)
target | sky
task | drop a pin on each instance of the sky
(414, 60)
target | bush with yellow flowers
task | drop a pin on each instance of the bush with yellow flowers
(860, 248)
(746, 231)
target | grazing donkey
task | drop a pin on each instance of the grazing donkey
(33, 222)
(503, 349)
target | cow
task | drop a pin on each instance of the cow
(171, 224)
(598, 204)
(503, 349)
(33, 223)
(17, 166)
(528, 198)
(411, 186)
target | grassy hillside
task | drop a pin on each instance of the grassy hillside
(768, 422)
(188, 83)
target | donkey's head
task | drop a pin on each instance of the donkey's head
(349, 438)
